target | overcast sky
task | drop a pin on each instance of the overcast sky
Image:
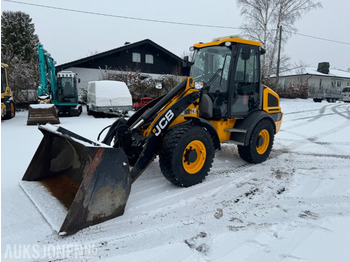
(71, 35)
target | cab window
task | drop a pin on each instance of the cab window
(245, 95)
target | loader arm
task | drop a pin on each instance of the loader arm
(159, 128)
(147, 127)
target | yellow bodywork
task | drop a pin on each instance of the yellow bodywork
(7, 92)
(268, 93)
(193, 110)
(222, 126)
(227, 39)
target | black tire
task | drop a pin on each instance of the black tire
(10, 110)
(80, 110)
(186, 155)
(260, 143)
(88, 110)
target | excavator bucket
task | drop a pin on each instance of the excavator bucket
(42, 114)
(75, 182)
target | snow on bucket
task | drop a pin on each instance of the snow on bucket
(42, 114)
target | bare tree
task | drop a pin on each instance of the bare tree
(263, 20)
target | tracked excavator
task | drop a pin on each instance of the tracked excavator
(57, 93)
(222, 101)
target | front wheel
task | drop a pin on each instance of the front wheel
(260, 143)
(10, 110)
(186, 155)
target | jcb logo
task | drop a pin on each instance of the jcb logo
(163, 123)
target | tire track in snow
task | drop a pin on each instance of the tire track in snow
(321, 113)
(334, 109)
(255, 186)
(316, 137)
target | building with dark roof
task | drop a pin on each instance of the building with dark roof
(144, 56)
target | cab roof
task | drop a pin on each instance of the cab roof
(220, 41)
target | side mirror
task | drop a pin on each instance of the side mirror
(186, 62)
(245, 53)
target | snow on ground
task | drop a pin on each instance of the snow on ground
(293, 207)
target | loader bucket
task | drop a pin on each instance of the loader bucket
(76, 183)
(42, 114)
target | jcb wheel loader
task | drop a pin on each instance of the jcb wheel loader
(223, 101)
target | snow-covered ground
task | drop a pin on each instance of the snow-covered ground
(293, 207)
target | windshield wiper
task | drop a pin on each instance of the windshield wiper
(213, 78)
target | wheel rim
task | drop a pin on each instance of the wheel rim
(263, 141)
(194, 157)
(12, 110)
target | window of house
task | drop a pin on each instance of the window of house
(136, 57)
(338, 83)
(149, 59)
(333, 83)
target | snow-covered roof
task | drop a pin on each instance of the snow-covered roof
(309, 70)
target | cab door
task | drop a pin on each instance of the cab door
(245, 84)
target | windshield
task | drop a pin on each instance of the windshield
(3, 80)
(66, 88)
(67, 85)
(211, 66)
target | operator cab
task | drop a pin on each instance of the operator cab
(3, 80)
(229, 73)
(67, 87)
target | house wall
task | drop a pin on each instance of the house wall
(162, 63)
(315, 83)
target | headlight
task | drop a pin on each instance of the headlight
(198, 85)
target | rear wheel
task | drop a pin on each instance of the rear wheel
(80, 110)
(186, 155)
(260, 143)
(88, 111)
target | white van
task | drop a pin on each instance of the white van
(108, 97)
(346, 94)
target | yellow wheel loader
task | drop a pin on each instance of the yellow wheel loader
(223, 101)
(8, 108)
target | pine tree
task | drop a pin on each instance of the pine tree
(19, 50)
